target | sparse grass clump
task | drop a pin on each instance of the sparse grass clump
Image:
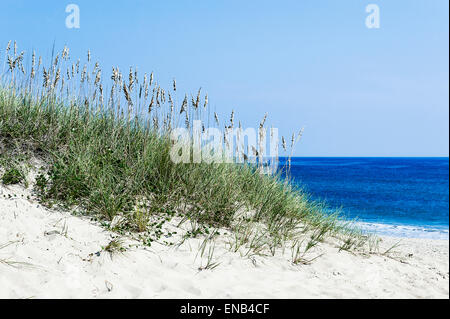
(115, 246)
(12, 170)
(106, 151)
(12, 176)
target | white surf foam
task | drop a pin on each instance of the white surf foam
(410, 231)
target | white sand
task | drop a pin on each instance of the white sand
(42, 263)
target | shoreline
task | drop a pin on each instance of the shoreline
(53, 254)
(406, 230)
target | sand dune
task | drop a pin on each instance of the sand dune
(51, 254)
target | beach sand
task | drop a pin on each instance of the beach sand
(51, 254)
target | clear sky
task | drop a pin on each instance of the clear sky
(311, 63)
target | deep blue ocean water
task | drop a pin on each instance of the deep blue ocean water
(407, 197)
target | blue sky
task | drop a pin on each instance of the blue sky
(312, 64)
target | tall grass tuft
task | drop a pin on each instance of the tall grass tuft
(106, 146)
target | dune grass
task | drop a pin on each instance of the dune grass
(108, 155)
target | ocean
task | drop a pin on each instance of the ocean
(403, 197)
